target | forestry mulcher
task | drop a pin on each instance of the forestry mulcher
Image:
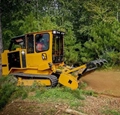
(40, 59)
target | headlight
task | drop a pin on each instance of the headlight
(54, 31)
(23, 52)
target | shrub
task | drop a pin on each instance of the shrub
(111, 112)
(7, 87)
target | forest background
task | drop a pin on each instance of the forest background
(92, 26)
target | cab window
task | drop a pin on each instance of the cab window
(18, 42)
(30, 44)
(42, 42)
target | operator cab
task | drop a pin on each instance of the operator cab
(34, 50)
(46, 45)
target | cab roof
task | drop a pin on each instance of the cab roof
(21, 36)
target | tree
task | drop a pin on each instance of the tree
(13, 11)
(10, 10)
(90, 26)
(1, 44)
(104, 31)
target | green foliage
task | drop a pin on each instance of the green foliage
(46, 23)
(7, 34)
(9, 91)
(7, 88)
(93, 27)
(111, 112)
(104, 42)
(71, 56)
(103, 33)
(12, 11)
(28, 24)
(64, 94)
(20, 92)
(52, 93)
(82, 85)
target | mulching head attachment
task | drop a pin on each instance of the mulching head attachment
(95, 64)
(91, 66)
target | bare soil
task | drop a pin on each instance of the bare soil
(106, 83)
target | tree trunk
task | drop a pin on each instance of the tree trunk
(1, 44)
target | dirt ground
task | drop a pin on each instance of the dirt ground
(106, 83)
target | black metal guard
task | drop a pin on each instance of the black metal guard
(91, 66)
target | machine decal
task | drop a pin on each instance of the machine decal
(44, 56)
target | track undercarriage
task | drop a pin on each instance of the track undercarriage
(68, 76)
(29, 79)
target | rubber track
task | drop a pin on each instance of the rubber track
(53, 79)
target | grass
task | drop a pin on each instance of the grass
(9, 91)
(64, 94)
(111, 112)
(111, 67)
(6, 89)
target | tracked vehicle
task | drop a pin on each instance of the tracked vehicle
(39, 57)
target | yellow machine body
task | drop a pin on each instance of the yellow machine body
(39, 57)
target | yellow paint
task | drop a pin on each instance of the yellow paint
(29, 82)
(5, 70)
(68, 80)
(41, 64)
